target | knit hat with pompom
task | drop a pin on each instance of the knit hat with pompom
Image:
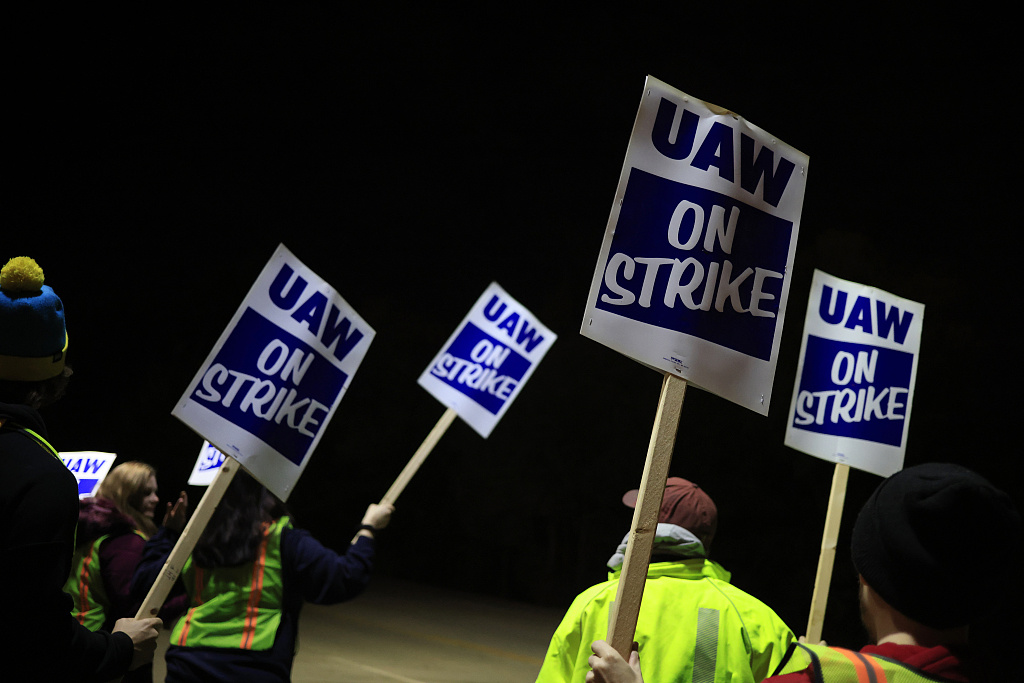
(33, 339)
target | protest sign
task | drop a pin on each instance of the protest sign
(855, 379)
(853, 394)
(695, 267)
(485, 363)
(693, 278)
(89, 468)
(207, 464)
(269, 387)
(480, 370)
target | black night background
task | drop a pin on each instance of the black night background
(157, 156)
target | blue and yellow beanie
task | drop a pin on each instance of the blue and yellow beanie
(33, 339)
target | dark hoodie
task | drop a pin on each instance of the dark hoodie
(39, 501)
(119, 554)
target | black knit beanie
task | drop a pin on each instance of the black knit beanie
(928, 534)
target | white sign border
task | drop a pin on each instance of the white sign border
(277, 473)
(735, 376)
(869, 456)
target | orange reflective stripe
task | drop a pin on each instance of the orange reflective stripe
(868, 671)
(252, 612)
(198, 599)
(83, 585)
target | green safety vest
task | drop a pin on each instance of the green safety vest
(85, 586)
(836, 665)
(235, 607)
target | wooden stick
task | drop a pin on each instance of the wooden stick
(626, 608)
(187, 541)
(828, 553)
(417, 459)
(419, 456)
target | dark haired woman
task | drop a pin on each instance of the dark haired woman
(247, 579)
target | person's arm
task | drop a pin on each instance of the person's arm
(325, 577)
(158, 548)
(375, 518)
(154, 555)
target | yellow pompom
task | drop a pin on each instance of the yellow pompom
(21, 274)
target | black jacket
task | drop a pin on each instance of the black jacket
(39, 504)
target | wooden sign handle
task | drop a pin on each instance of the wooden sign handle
(829, 539)
(419, 456)
(417, 459)
(160, 589)
(626, 608)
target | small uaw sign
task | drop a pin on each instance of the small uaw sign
(855, 380)
(695, 267)
(207, 465)
(479, 371)
(693, 279)
(487, 360)
(89, 467)
(853, 394)
(269, 387)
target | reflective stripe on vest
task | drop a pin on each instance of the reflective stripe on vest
(235, 607)
(85, 586)
(836, 665)
(35, 437)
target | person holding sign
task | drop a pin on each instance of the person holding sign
(911, 544)
(692, 621)
(39, 501)
(247, 578)
(910, 540)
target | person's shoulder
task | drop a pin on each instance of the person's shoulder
(29, 468)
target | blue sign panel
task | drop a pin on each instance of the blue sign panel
(271, 384)
(481, 367)
(695, 261)
(854, 390)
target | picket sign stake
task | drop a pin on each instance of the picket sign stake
(417, 459)
(829, 539)
(626, 608)
(160, 589)
(419, 456)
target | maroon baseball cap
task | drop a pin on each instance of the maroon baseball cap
(684, 504)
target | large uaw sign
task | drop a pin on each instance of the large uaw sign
(486, 361)
(694, 270)
(268, 389)
(855, 381)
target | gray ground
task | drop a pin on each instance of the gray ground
(399, 631)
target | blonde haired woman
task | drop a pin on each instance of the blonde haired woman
(112, 530)
(132, 488)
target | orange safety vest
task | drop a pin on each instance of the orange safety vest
(836, 665)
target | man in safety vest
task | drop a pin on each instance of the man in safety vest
(692, 621)
(930, 546)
